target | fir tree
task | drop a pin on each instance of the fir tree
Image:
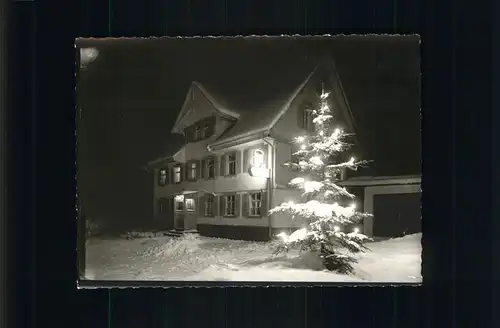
(319, 163)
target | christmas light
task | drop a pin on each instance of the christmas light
(353, 205)
(336, 228)
(324, 95)
(303, 147)
(316, 160)
(356, 230)
(321, 132)
(300, 139)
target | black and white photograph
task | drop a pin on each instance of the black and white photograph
(250, 159)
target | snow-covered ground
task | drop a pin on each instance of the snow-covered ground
(211, 259)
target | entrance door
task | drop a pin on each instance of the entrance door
(166, 212)
(396, 215)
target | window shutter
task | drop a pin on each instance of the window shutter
(211, 125)
(171, 174)
(215, 206)
(158, 177)
(216, 166)
(263, 202)
(265, 150)
(222, 202)
(203, 170)
(237, 202)
(183, 168)
(201, 204)
(246, 160)
(239, 155)
(198, 169)
(244, 205)
(223, 165)
(186, 170)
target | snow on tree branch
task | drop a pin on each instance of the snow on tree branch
(317, 162)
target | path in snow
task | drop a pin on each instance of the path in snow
(213, 259)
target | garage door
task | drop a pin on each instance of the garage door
(396, 215)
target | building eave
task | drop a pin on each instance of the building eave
(365, 181)
(239, 139)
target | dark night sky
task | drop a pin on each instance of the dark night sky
(130, 95)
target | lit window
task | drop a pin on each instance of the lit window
(192, 171)
(258, 158)
(255, 204)
(162, 176)
(230, 206)
(231, 164)
(177, 174)
(179, 205)
(210, 168)
(209, 206)
(190, 205)
(197, 133)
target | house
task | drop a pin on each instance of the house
(229, 171)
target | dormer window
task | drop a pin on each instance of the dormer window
(258, 158)
(204, 131)
(197, 133)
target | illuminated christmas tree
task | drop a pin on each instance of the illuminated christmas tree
(319, 164)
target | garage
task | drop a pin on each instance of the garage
(394, 202)
(396, 215)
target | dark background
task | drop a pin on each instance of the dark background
(129, 97)
(457, 175)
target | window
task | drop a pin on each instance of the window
(255, 204)
(258, 158)
(230, 206)
(231, 164)
(192, 171)
(210, 168)
(162, 177)
(209, 206)
(190, 205)
(197, 133)
(204, 132)
(177, 174)
(179, 205)
(307, 120)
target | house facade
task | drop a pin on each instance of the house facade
(230, 170)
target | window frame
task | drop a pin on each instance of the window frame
(209, 200)
(177, 174)
(177, 209)
(226, 205)
(192, 171)
(192, 202)
(162, 177)
(231, 163)
(210, 167)
(262, 154)
(307, 120)
(204, 131)
(197, 133)
(252, 204)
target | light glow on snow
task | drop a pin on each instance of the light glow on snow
(213, 259)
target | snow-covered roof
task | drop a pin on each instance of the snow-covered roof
(257, 100)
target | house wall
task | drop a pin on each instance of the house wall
(242, 182)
